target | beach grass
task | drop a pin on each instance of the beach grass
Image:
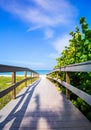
(5, 82)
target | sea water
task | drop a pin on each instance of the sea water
(41, 72)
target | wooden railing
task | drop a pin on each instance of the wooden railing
(80, 67)
(14, 69)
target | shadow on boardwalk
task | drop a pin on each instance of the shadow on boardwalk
(44, 112)
(50, 119)
(15, 115)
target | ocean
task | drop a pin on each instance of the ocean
(41, 72)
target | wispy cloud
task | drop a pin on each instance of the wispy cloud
(48, 33)
(25, 63)
(41, 13)
(33, 28)
(60, 43)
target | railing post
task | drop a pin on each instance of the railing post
(68, 81)
(31, 76)
(25, 75)
(57, 75)
(57, 79)
(13, 82)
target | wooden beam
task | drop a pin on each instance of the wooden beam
(80, 67)
(7, 68)
(67, 81)
(25, 75)
(6, 91)
(83, 95)
(13, 82)
(31, 76)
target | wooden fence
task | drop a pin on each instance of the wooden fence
(80, 67)
(14, 69)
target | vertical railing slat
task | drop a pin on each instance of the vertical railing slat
(13, 82)
(25, 76)
(31, 76)
(68, 81)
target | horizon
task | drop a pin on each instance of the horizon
(20, 73)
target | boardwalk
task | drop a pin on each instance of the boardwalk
(41, 107)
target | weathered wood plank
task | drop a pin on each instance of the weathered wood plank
(9, 89)
(14, 69)
(42, 107)
(67, 81)
(80, 67)
(7, 68)
(86, 97)
(25, 75)
(13, 82)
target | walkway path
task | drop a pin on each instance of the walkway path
(41, 107)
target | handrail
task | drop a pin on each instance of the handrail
(9, 89)
(86, 97)
(14, 69)
(80, 67)
(8, 68)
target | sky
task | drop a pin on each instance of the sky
(33, 33)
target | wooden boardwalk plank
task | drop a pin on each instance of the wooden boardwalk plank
(42, 107)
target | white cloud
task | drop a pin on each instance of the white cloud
(25, 63)
(48, 33)
(33, 28)
(60, 43)
(42, 13)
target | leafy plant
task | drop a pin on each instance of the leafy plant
(79, 50)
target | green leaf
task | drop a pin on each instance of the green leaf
(86, 42)
(89, 55)
(79, 37)
(84, 57)
(85, 26)
(83, 107)
(79, 100)
(89, 46)
(71, 33)
(82, 20)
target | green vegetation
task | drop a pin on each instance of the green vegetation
(5, 82)
(79, 50)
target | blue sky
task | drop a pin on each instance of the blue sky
(33, 33)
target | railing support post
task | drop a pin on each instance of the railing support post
(13, 82)
(57, 79)
(25, 75)
(68, 81)
(31, 76)
(57, 75)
